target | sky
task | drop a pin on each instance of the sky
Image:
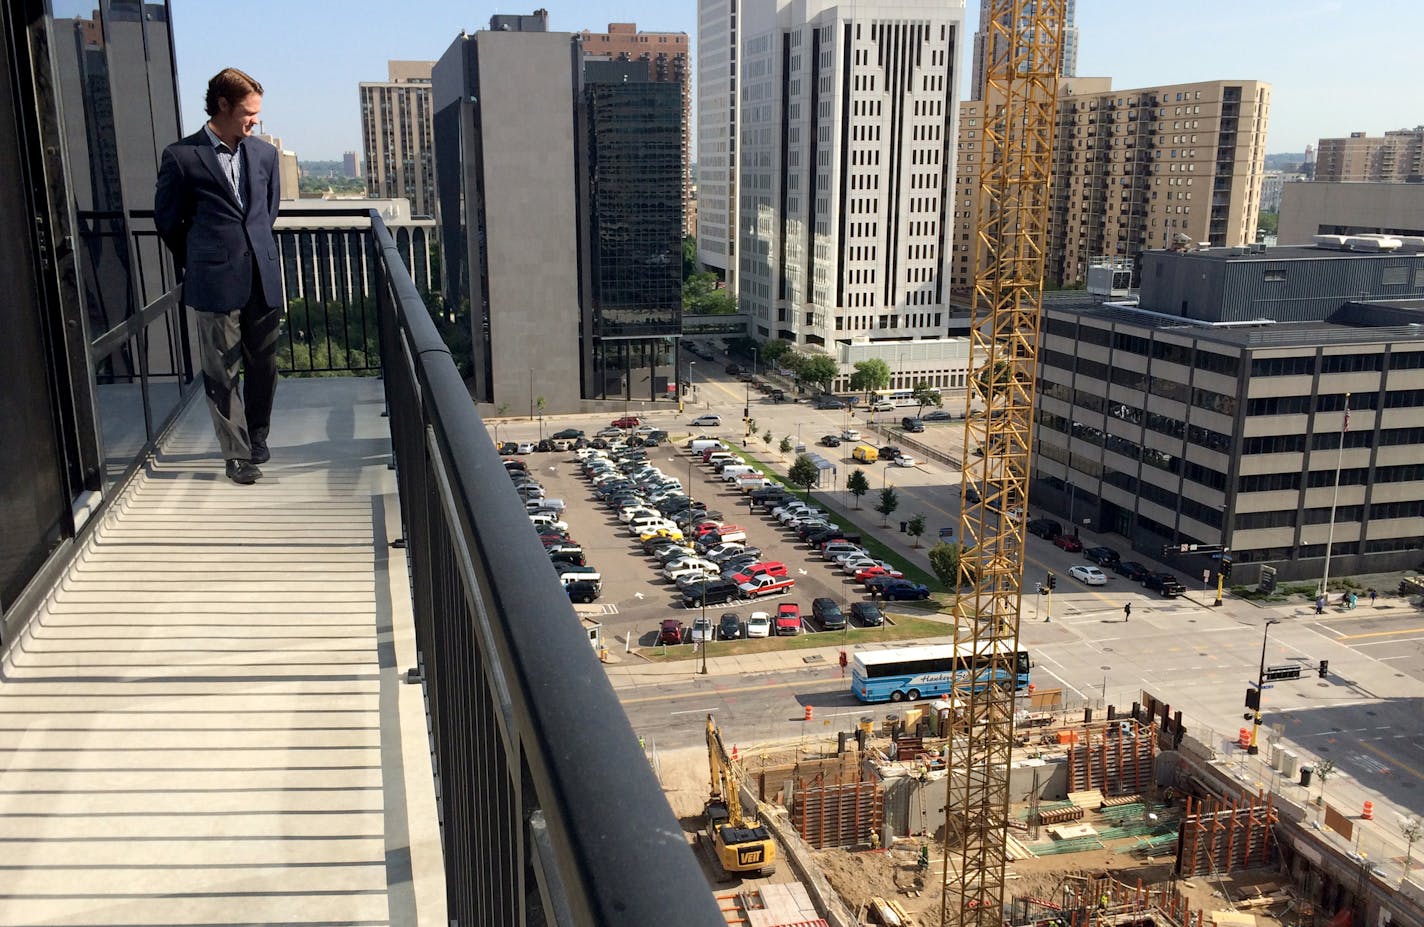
(1336, 66)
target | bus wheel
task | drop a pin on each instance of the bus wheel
(914, 695)
(897, 696)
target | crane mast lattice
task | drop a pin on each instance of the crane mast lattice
(1014, 169)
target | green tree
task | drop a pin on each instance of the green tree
(889, 502)
(1323, 771)
(857, 484)
(803, 474)
(773, 351)
(995, 383)
(796, 363)
(944, 560)
(925, 395)
(766, 436)
(870, 375)
(1268, 223)
(689, 257)
(820, 370)
(785, 445)
(915, 528)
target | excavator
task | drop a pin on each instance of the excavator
(743, 844)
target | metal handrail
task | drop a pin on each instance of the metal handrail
(549, 809)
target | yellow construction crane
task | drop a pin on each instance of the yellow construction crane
(743, 844)
(1015, 163)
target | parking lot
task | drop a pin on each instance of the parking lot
(636, 598)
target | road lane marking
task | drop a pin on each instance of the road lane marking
(1392, 760)
(1065, 682)
(693, 711)
(1351, 637)
(769, 685)
(1396, 640)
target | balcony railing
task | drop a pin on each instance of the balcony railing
(549, 809)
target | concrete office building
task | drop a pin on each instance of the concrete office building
(1136, 169)
(1214, 411)
(718, 35)
(1398, 157)
(1068, 54)
(1273, 185)
(666, 54)
(846, 170)
(289, 173)
(564, 234)
(349, 165)
(396, 135)
(1310, 209)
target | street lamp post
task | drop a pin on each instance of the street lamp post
(1260, 686)
(705, 629)
(754, 361)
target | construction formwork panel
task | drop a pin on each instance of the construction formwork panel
(1115, 758)
(843, 814)
(1218, 838)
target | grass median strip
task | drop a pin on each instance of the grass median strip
(905, 627)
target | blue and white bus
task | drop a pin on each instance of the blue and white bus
(928, 671)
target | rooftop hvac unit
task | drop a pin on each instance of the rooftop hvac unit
(1372, 243)
(1330, 242)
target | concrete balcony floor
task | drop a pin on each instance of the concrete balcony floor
(207, 723)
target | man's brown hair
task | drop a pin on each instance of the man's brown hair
(232, 85)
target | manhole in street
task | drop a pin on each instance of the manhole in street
(1371, 713)
(1323, 749)
(1107, 650)
(815, 658)
(1105, 667)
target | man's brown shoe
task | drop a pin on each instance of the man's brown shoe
(243, 472)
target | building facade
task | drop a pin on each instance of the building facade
(1310, 209)
(1068, 53)
(666, 54)
(1273, 184)
(396, 135)
(718, 35)
(846, 120)
(564, 234)
(1397, 157)
(1253, 399)
(289, 173)
(1136, 169)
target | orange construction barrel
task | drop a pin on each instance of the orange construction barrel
(808, 713)
(1243, 737)
(1369, 813)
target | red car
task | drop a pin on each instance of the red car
(788, 618)
(768, 568)
(706, 527)
(627, 421)
(1069, 543)
(670, 631)
(869, 572)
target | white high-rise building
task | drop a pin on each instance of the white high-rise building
(1068, 56)
(845, 146)
(717, 136)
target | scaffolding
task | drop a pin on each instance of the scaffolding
(1015, 166)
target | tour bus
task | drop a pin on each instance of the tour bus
(908, 673)
(900, 397)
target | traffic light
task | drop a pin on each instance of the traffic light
(1052, 581)
(1225, 567)
(1324, 668)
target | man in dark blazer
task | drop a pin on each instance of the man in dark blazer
(215, 206)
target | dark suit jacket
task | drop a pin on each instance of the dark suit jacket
(213, 239)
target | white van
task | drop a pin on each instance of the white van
(720, 457)
(731, 473)
(698, 445)
(648, 523)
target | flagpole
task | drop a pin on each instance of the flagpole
(1334, 500)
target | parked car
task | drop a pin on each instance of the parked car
(1131, 569)
(883, 405)
(1046, 528)
(867, 613)
(1068, 542)
(764, 585)
(670, 631)
(904, 460)
(767, 568)
(701, 629)
(627, 421)
(583, 590)
(507, 448)
(890, 452)
(870, 572)
(1165, 584)
(1088, 575)
(939, 415)
(828, 401)
(569, 433)
(1102, 556)
(830, 441)
(710, 592)
(828, 614)
(912, 424)
(788, 619)
(707, 421)
(524, 447)
(898, 589)
(729, 626)
(758, 625)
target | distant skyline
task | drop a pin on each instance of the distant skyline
(310, 57)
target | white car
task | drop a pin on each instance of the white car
(701, 630)
(853, 565)
(905, 460)
(524, 447)
(1088, 575)
(707, 421)
(883, 405)
(850, 434)
(759, 625)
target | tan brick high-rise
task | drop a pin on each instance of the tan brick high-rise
(396, 135)
(1134, 169)
(1398, 157)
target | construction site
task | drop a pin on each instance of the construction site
(1119, 819)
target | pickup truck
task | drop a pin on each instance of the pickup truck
(765, 584)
